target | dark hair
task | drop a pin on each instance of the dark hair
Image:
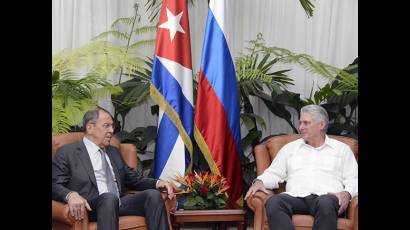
(91, 116)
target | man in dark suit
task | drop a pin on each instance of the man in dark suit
(91, 174)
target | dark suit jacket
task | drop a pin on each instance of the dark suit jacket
(72, 171)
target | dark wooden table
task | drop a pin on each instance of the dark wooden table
(218, 215)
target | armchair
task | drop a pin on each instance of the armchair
(264, 154)
(61, 219)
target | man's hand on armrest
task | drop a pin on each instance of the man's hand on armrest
(344, 199)
(165, 185)
(76, 204)
(257, 185)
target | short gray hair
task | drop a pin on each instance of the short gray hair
(91, 116)
(318, 112)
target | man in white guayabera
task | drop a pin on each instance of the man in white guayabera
(320, 173)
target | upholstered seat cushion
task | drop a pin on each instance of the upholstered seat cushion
(126, 222)
(306, 222)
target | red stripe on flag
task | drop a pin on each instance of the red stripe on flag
(218, 137)
(179, 49)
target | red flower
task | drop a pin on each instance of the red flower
(190, 177)
(204, 191)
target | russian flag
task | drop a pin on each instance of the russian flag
(217, 127)
(171, 88)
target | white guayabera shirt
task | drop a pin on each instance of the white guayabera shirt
(331, 167)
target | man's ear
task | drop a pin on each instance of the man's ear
(322, 125)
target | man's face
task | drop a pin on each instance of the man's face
(309, 128)
(101, 132)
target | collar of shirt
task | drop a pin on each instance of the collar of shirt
(328, 142)
(95, 157)
(91, 146)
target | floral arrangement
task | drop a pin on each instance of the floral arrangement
(203, 190)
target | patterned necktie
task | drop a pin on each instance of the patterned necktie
(111, 185)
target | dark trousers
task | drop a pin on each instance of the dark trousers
(148, 203)
(281, 207)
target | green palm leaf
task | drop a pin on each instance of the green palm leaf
(142, 43)
(114, 33)
(144, 29)
(308, 7)
(125, 21)
(347, 81)
(80, 75)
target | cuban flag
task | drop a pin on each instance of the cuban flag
(171, 88)
(217, 127)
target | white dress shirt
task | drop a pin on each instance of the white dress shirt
(95, 156)
(331, 167)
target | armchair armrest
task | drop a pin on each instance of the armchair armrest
(257, 204)
(170, 205)
(258, 199)
(129, 154)
(352, 211)
(262, 158)
(61, 213)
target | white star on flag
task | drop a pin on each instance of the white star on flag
(172, 24)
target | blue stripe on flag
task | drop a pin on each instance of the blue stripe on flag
(171, 91)
(166, 137)
(217, 63)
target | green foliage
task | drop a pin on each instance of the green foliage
(340, 103)
(346, 81)
(308, 7)
(73, 91)
(342, 108)
(254, 72)
(256, 77)
(342, 81)
(125, 30)
(141, 137)
(84, 72)
(134, 91)
(129, 38)
(249, 171)
(248, 120)
(252, 76)
(321, 95)
(154, 7)
(124, 36)
(202, 190)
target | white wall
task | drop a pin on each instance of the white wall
(330, 36)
